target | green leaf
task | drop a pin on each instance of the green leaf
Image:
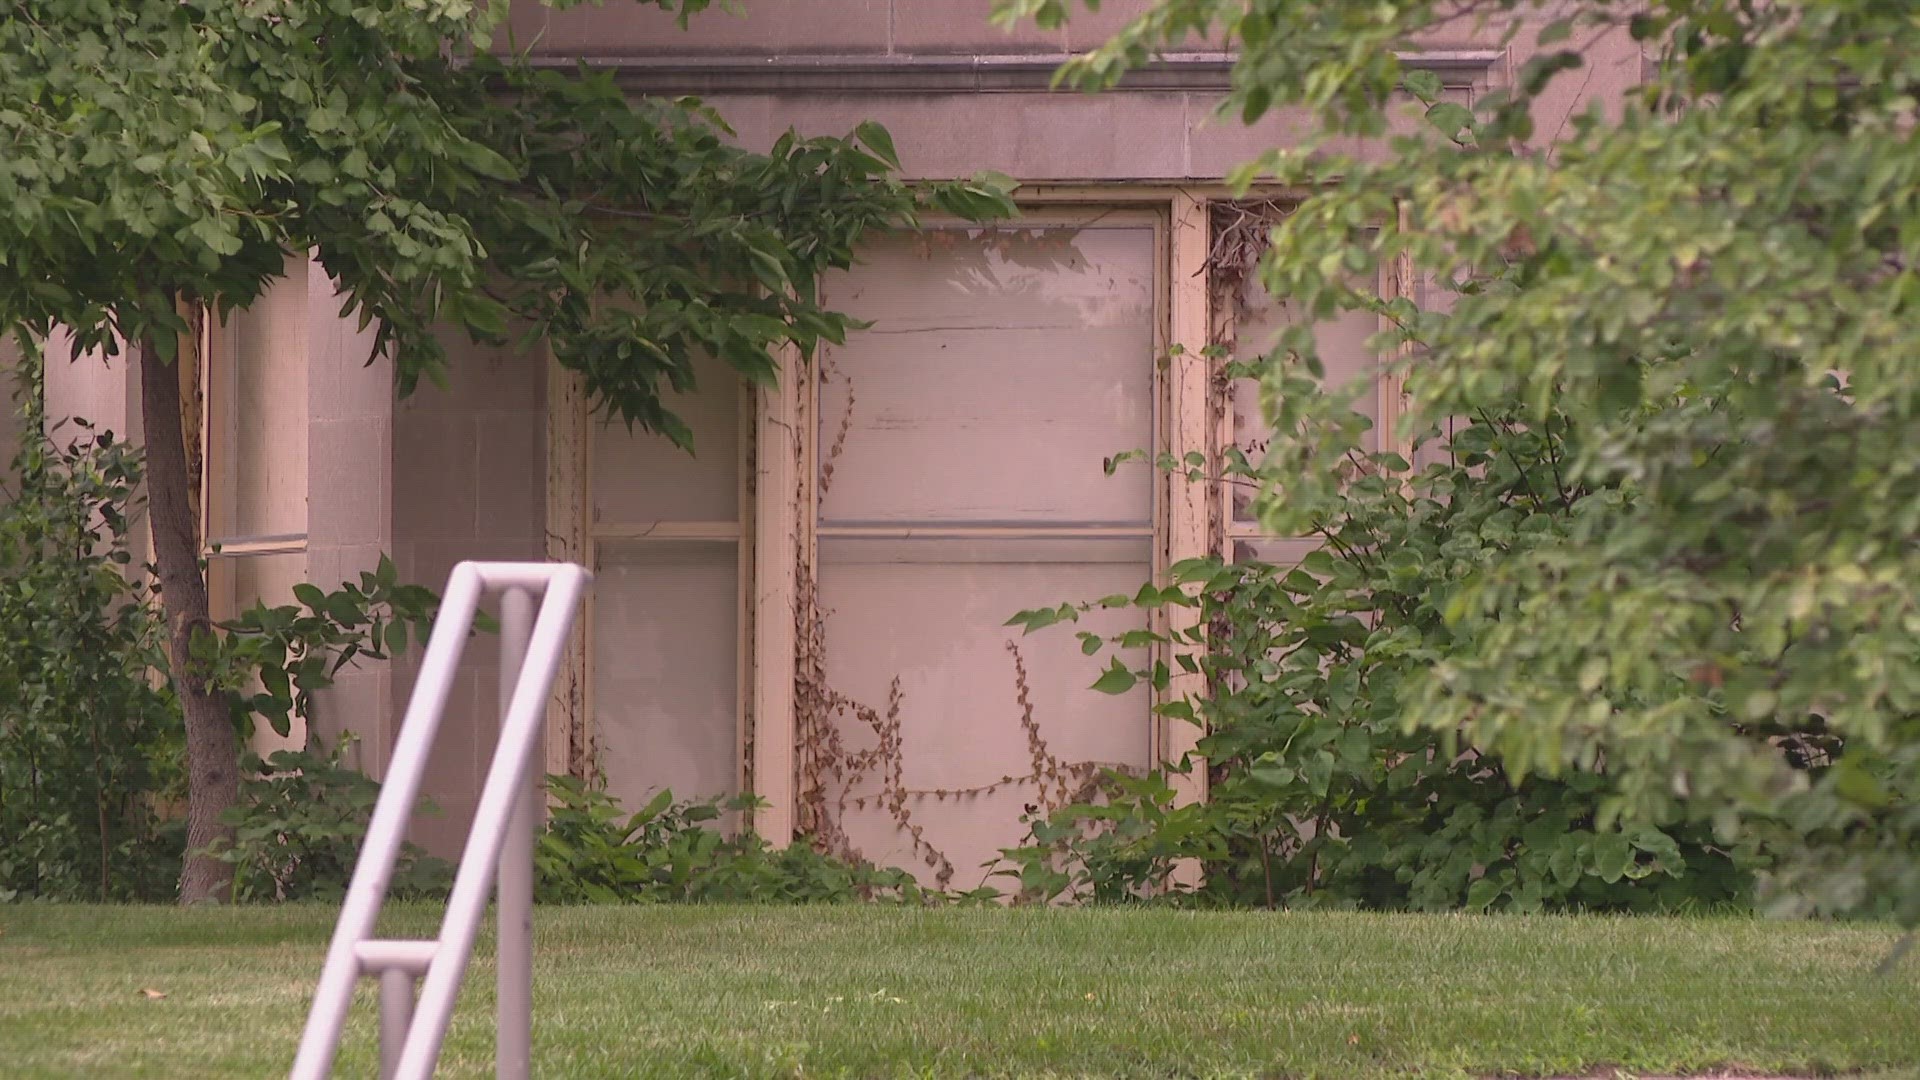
(1421, 83)
(879, 141)
(654, 808)
(213, 233)
(1116, 679)
(1612, 856)
(770, 270)
(1565, 862)
(1449, 118)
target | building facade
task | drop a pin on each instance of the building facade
(811, 607)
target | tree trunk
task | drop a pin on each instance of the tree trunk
(213, 753)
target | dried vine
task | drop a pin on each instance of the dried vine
(832, 779)
(1241, 233)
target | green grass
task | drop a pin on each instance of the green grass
(861, 991)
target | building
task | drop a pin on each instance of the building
(812, 607)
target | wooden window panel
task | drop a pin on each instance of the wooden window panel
(665, 666)
(640, 478)
(1002, 368)
(663, 649)
(961, 443)
(253, 427)
(1279, 551)
(255, 494)
(927, 615)
(1345, 356)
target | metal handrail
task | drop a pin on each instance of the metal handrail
(501, 839)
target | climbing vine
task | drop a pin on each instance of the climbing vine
(835, 778)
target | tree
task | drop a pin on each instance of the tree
(164, 156)
(1687, 322)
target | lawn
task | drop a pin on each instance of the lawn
(863, 991)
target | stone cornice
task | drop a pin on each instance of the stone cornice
(892, 74)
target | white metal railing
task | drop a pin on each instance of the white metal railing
(501, 839)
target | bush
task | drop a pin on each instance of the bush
(303, 814)
(1703, 298)
(90, 733)
(593, 851)
(1322, 792)
(298, 829)
(89, 739)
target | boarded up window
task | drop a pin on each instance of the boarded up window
(255, 489)
(1342, 345)
(665, 634)
(665, 629)
(256, 395)
(641, 479)
(961, 448)
(1000, 370)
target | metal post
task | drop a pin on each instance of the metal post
(498, 855)
(499, 797)
(387, 829)
(396, 1015)
(513, 1054)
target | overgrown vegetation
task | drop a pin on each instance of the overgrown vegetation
(90, 733)
(89, 739)
(1319, 792)
(594, 851)
(298, 829)
(305, 814)
(1688, 319)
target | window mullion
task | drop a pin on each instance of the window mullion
(1396, 280)
(1189, 431)
(669, 530)
(568, 540)
(965, 531)
(779, 530)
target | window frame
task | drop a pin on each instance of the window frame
(779, 524)
(575, 688)
(1391, 280)
(206, 383)
(214, 373)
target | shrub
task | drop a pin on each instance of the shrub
(89, 739)
(1702, 290)
(593, 851)
(1322, 792)
(298, 829)
(302, 814)
(272, 658)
